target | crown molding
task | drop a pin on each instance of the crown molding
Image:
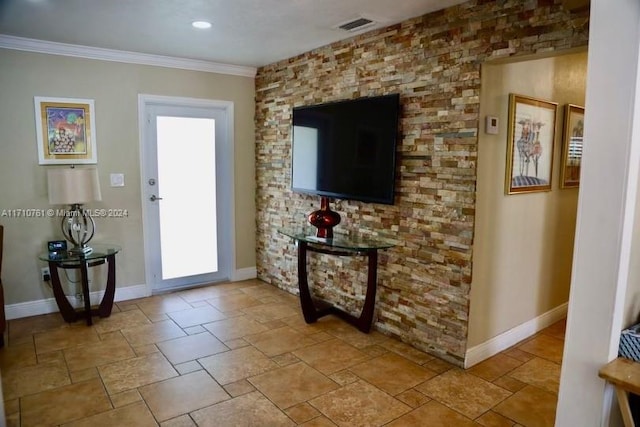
(78, 51)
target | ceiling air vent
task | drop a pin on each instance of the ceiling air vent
(356, 24)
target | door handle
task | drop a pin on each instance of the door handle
(153, 198)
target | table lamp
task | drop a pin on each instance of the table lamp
(75, 186)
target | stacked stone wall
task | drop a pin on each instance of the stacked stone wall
(434, 63)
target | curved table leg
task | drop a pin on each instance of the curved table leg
(68, 312)
(109, 293)
(306, 303)
(314, 310)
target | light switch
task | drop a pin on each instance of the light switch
(117, 179)
(491, 125)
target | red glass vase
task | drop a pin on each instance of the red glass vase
(324, 219)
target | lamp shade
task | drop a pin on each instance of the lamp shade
(73, 185)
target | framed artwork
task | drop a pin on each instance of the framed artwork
(572, 146)
(65, 129)
(532, 126)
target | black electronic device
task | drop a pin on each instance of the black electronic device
(347, 149)
(57, 248)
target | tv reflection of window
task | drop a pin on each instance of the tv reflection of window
(305, 151)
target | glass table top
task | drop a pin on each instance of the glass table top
(99, 251)
(340, 241)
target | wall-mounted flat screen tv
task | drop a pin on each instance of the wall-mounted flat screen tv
(347, 149)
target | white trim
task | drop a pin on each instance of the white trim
(495, 345)
(244, 274)
(87, 52)
(44, 306)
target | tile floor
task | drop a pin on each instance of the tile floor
(240, 354)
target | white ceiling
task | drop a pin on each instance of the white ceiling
(245, 32)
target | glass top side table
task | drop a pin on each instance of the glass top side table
(102, 253)
(340, 245)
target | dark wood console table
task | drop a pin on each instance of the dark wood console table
(314, 308)
(99, 255)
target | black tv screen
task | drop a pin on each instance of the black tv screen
(347, 149)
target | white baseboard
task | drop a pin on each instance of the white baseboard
(44, 306)
(244, 274)
(495, 345)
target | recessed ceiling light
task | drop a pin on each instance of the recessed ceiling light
(202, 25)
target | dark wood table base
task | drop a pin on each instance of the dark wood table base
(69, 313)
(313, 308)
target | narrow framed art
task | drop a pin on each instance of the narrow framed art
(572, 146)
(65, 129)
(530, 144)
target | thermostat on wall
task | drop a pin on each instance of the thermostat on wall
(491, 125)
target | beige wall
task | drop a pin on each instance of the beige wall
(115, 88)
(524, 242)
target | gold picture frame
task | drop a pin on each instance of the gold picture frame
(530, 144)
(65, 129)
(572, 143)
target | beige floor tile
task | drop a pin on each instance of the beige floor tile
(95, 354)
(34, 379)
(84, 375)
(278, 341)
(438, 365)
(133, 373)
(413, 398)
(493, 419)
(392, 373)
(319, 422)
(136, 414)
(64, 404)
(302, 412)
(27, 326)
(234, 328)
(251, 409)
(191, 347)
(292, 384)
(531, 407)
(181, 395)
(181, 421)
(433, 414)
(125, 398)
(188, 367)
(233, 302)
(51, 356)
(463, 392)
(494, 367)
(239, 388)
(65, 337)
(359, 404)
(17, 356)
(331, 356)
(557, 330)
(516, 353)
(236, 365)
(117, 321)
(163, 304)
(540, 373)
(407, 351)
(544, 346)
(204, 293)
(356, 338)
(285, 359)
(194, 330)
(267, 312)
(196, 316)
(152, 333)
(509, 383)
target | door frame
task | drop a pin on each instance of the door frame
(146, 100)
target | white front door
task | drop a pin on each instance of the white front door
(187, 188)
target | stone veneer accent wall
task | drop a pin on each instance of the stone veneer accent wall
(434, 63)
